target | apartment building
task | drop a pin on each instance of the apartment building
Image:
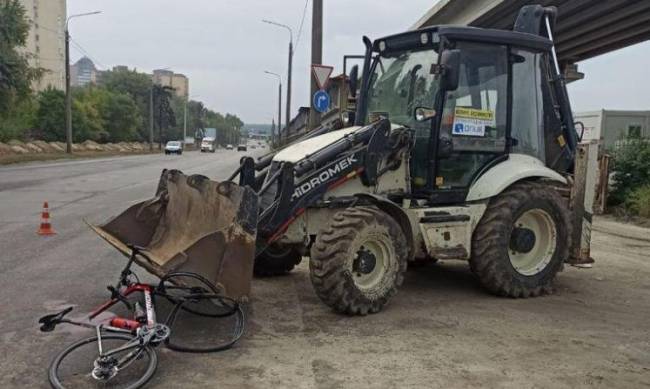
(83, 72)
(179, 82)
(46, 40)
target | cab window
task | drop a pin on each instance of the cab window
(474, 119)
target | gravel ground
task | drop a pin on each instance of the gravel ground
(441, 330)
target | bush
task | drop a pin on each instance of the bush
(17, 123)
(630, 168)
(639, 201)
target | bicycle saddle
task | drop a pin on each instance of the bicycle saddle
(50, 321)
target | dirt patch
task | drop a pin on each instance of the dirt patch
(6, 159)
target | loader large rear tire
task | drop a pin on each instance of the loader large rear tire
(522, 241)
(358, 261)
(276, 260)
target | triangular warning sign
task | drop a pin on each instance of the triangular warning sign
(321, 74)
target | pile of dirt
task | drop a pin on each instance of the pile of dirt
(89, 145)
(19, 149)
(5, 148)
(58, 147)
(46, 147)
(137, 146)
(32, 148)
(110, 147)
(125, 146)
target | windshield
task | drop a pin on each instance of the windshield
(400, 83)
(173, 143)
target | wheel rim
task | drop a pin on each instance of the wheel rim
(530, 254)
(74, 367)
(370, 264)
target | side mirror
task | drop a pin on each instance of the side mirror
(354, 78)
(348, 118)
(450, 61)
(581, 134)
(422, 114)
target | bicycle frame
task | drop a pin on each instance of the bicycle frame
(124, 323)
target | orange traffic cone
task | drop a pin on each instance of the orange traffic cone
(46, 227)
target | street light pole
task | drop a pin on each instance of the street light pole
(289, 71)
(68, 95)
(187, 100)
(151, 118)
(279, 102)
(316, 56)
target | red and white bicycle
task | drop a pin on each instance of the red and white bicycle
(121, 353)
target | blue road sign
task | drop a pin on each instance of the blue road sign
(321, 101)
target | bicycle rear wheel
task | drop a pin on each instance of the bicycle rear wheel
(73, 367)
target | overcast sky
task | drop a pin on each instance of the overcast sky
(224, 48)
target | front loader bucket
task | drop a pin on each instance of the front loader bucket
(192, 224)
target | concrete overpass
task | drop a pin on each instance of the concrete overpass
(585, 28)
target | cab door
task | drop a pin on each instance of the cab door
(473, 128)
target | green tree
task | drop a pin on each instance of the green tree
(49, 122)
(164, 115)
(16, 75)
(18, 119)
(630, 168)
(121, 118)
(138, 87)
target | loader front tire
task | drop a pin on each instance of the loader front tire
(358, 261)
(276, 260)
(522, 240)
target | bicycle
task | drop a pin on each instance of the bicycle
(133, 353)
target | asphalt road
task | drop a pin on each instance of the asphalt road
(441, 330)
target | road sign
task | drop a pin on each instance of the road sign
(321, 74)
(321, 101)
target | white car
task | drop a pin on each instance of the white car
(174, 147)
(229, 147)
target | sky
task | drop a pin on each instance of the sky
(224, 48)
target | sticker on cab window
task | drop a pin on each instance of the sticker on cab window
(472, 122)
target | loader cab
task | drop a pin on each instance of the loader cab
(471, 97)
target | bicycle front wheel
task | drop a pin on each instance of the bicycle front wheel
(79, 365)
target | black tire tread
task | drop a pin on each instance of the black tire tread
(52, 371)
(271, 266)
(488, 244)
(331, 280)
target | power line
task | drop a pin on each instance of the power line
(84, 51)
(302, 21)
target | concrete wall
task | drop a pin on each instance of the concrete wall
(46, 40)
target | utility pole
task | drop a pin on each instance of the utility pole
(316, 56)
(68, 94)
(288, 107)
(279, 102)
(151, 118)
(185, 122)
(288, 116)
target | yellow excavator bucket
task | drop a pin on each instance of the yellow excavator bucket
(193, 224)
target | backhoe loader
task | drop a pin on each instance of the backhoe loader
(462, 146)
